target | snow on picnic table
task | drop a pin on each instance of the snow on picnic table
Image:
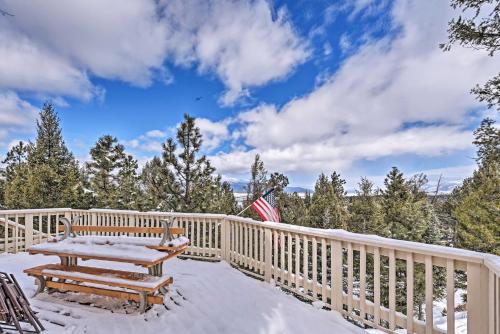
(205, 298)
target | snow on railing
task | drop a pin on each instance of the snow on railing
(371, 280)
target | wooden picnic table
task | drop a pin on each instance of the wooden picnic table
(150, 253)
(69, 252)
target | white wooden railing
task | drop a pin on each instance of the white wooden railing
(370, 280)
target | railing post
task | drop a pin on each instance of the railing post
(268, 255)
(477, 298)
(28, 231)
(337, 275)
(225, 239)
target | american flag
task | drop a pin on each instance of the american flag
(266, 207)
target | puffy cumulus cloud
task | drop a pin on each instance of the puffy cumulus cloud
(396, 95)
(214, 133)
(240, 41)
(27, 66)
(111, 39)
(332, 154)
(15, 115)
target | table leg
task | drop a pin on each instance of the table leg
(64, 260)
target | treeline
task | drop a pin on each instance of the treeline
(45, 174)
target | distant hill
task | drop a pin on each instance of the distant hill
(239, 187)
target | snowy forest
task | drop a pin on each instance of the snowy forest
(45, 174)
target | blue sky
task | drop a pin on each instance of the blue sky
(355, 86)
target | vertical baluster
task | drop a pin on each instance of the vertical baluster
(362, 281)
(203, 236)
(324, 282)
(261, 250)
(376, 274)
(6, 233)
(350, 280)
(289, 260)
(450, 296)
(392, 290)
(40, 230)
(241, 245)
(409, 293)
(192, 236)
(297, 261)
(255, 250)
(305, 264)
(215, 243)
(233, 241)
(251, 247)
(275, 255)
(282, 256)
(428, 295)
(314, 268)
(246, 229)
(16, 234)
(198, 235)
(48, 226)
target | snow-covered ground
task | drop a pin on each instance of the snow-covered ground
(205, 298)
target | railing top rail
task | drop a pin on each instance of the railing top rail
(157, 213)
(29, 211)
(376, 241)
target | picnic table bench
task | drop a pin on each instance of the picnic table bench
(147, 252)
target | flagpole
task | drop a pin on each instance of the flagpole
(245, 209)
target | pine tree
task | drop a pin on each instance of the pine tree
(478, 28)
(258, 180)
(408, 215)
(223, 200)
(128, 194)
(475, 204)
(329, 207)
(192, 173)
(107, 159)
(49, 177)
(157, 180)
(366, 215)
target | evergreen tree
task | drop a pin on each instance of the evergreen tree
(366, 215)
(16, 156)
(49, 177)
(257, 185)
(192, 173)
(157, 180)
(128, 195)
(223, 200)
(107, 159)
(293, 210)
(478, 28)
(408, 215)
(258, 180)
(329, 206)
(474, 205)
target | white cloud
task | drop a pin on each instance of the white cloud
(240, 41)
(156, 134)
(214, 133)
(397, 95)
(27, 66)
(111, 39)
(53, 47)
(15, 115)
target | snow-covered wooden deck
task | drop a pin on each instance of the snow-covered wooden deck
(206, 297)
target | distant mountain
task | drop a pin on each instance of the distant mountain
(239, 187)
